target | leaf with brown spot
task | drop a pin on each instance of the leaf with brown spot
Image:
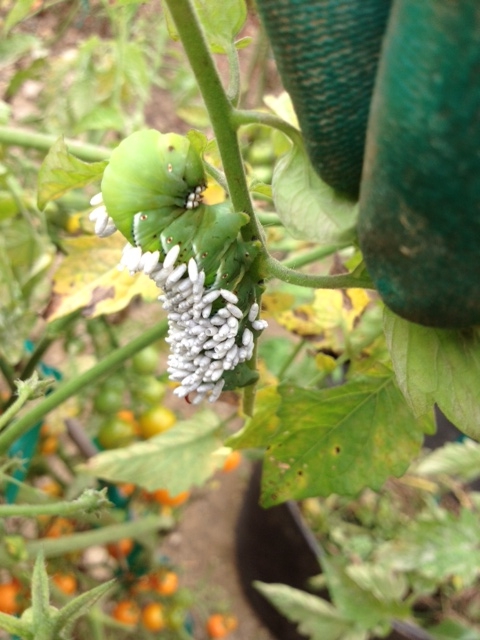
(89, 279)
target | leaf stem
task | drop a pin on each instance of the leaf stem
(342, 281)
(312, 256)
(42, 142)
(72, 387)
(241, 117)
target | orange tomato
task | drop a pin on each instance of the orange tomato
(66, 582)
(60, 527)
(162, 496)
(9, 597)
(127, 611)
(48, 445)
(121, 548)
(126, 488)
(166, 583)
(127, 415)
(232, 461)
(152, 617)
(220, 625)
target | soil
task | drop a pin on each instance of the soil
(203, 545)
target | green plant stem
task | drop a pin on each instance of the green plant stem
(42, 142)
(240, 117)
(295, 351)
(88, 501)
(23, 396)
(54, 547)
(342, 281)
(218, 106)
(72, 387)
(311, 256)
(8, 373)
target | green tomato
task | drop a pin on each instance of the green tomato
(145, 362)
(115, 433)
(150, 390)
(108, 400)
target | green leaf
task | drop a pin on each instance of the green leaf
(61, 171)
(453, 630)
(258, 431)
(461, 459)
(307, 206)
(14, 626)
(221, 21)
(437, 548)
(339, 440)
(437, 365)
(20, 10)
(176, 460)
(356, 603)
(316, 618)
(79, 606)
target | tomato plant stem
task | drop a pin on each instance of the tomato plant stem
(88, 501)
(342, 281)
(42, 142)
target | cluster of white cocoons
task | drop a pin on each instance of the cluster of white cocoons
(203, 343)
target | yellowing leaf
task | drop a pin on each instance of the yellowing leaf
(325, 363)
(89, 279)
(302, 320)
(276, 302)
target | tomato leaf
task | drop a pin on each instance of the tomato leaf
(175, 460)
(316, 618)
(221, 21)
(357, 601)
(89, 279)
(337, 440)
(437, 366)
(307, 206)
(61, 172)
(437, 548)
(78, 607)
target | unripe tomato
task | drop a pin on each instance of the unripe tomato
(149, 390)
(115, 432)
(153, 618)
(156, 420)
(145, 361)
(108, 400)
(127, 611)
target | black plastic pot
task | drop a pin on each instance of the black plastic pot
(275, 546)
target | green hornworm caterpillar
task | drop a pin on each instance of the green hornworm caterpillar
(152, 193)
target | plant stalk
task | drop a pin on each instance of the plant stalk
(72, 387)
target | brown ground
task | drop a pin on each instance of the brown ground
(203, 546)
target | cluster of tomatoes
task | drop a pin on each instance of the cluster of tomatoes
(147, 598)
(119, 427)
